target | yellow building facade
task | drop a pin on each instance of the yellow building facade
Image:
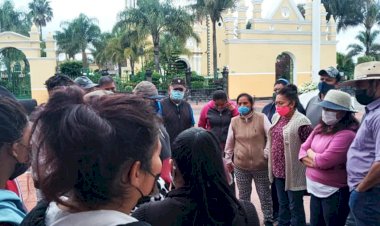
(41, 68)
(250, 54)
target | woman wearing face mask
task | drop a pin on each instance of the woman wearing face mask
(325, 154)
(14, 158)
(202, 196)
(246, 141)
(289, 130)
(99, 159)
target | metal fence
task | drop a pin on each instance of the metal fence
(17, 83)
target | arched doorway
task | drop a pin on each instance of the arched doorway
(15, 72)
(285, 67)
(181, 65)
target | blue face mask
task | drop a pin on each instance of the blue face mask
(177, 95)
(243, 110)
(324, 87)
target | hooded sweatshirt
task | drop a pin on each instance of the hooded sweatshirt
(11, 208)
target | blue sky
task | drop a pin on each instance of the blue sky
(106, 12)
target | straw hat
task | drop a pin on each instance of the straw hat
(337, 100)
(364, 72)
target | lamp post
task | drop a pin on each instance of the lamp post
(225, 73)
(188, 77)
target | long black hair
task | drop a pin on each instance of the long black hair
(196, 153)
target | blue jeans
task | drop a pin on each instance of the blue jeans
(365, 207)
(330, 211)
(291, 209)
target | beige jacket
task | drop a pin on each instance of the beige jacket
(295, 179)
(246, 141)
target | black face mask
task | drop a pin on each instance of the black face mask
(154, 192)
(323, 87)
(362, 97)
(20, 168)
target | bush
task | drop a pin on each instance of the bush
(72, 69)
(197, 85)
(307, 87)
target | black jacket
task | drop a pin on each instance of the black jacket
(178, 210)
(177, 118)
(36, 217)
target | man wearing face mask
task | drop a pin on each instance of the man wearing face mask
(329, 79)
(176, 112)
(363, 158)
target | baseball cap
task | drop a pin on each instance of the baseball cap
(178, 82)
(84, 82)
(331, 71)
(147, 90)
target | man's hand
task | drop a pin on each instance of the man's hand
(307, 161)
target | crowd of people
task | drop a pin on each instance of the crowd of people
(103, 158)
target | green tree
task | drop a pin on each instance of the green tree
(345, 64)
(41, 13)
(367, 45)
(349, 13)
(65, 42)
(157, 18)
(99, 50)
(13, 20)
(213, 9)
(78, 35)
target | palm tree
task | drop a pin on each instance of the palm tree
(158, 18)
(13, 20)
(345, 64)
(79, 34)
(213, 9)
(350, 13)
(366, 45)
(41, 13)
(65, 42)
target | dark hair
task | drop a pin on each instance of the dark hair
(85, 147)
(105, 80)
(197, 155)
(250, 98)
(290, 91)
(282, 81)
(13, 120)
(58, 80)
(347, 122)
(219, 95)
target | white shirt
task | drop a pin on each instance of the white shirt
(58, 217)
(320, 190)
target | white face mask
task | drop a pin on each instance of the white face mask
(329, 117)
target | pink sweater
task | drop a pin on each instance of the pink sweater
(330, 159)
